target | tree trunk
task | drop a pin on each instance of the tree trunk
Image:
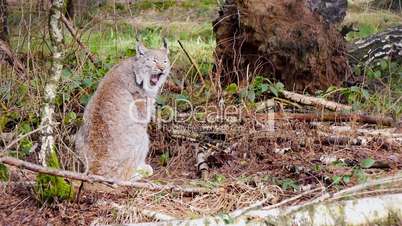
(70, 9)
(384, 45)
(3, 21)
(56, 35)
(283, 40)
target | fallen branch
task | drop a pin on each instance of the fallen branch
(315, 101)
(73, 33)
(98, 179)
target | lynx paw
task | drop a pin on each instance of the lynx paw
(142, 171)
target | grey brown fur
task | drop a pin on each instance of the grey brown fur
(113, 140)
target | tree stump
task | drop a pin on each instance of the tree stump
(281, 40)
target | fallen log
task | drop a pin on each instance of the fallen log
(309, 100)
(383, 45)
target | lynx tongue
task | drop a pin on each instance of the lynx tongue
(155, 78)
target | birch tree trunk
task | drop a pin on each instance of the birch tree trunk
(51, 188)
(56, 36)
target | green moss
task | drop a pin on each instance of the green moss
(4, 174)
(51, 188)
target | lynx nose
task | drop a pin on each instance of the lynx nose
(160, 67)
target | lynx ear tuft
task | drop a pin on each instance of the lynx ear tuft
(165, 44)
(140, 49)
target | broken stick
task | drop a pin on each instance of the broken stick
(98, 179)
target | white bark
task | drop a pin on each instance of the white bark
(349, 212)
(47, 122)
(309, 100)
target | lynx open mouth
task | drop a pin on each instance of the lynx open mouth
(155, 78)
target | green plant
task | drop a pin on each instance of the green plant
(4, 173)
(357, 172)
(164, 158)
(50, 188)
(288, 184)
(261, 86)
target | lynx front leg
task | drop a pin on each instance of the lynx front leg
(141, 169)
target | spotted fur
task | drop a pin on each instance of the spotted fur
(113, 140)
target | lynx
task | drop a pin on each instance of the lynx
(113, 140)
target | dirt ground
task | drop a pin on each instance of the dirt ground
(295, 157)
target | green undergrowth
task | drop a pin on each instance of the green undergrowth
(50, 188)
(4, 173)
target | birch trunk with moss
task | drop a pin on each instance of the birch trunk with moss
(50, 188)
(48, 143)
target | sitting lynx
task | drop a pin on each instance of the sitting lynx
(113, 140)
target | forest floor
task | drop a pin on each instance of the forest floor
(248, 161)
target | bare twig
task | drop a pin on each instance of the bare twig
(12, 143)
(73, 32)
(98, 179)
(192, 62)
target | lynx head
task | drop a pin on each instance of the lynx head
(152, 67)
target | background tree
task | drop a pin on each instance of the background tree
(3, 20)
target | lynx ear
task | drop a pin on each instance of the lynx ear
(140, 48)
(165, 45)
